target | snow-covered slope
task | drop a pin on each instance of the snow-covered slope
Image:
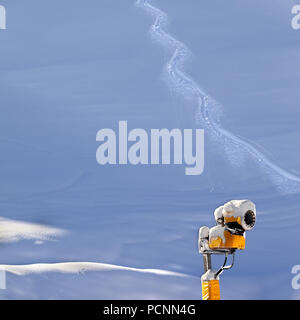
(69, 69)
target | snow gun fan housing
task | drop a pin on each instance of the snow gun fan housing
(232, 219)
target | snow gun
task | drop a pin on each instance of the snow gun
(233, 219)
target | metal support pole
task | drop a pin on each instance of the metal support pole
(207, 261)
(210, 283)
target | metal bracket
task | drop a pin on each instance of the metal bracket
(225, 267)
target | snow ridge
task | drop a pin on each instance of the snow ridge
(207, 109)
(80, 267)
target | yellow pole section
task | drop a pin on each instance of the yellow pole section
(210, 286)
(210, 290)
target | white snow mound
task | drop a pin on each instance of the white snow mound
(12, 231)
(79, 267)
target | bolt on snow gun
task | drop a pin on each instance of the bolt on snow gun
(233, 219)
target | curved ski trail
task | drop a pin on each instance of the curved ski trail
(207, 108)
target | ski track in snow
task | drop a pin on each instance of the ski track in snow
(208, 109)
(80, 267)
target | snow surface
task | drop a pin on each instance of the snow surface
(79, 267)
(12, 231)
(217, 232)
(69, 69)
(236, 208)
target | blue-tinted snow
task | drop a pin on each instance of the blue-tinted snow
(69, 69)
